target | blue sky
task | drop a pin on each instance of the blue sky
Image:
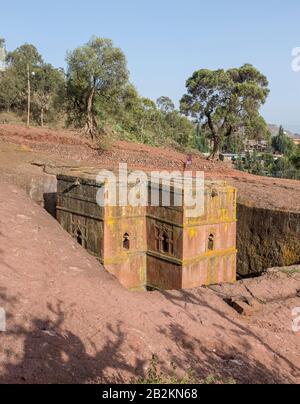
(166, 40)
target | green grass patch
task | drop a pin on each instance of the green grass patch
(155, 376)
(290, 272)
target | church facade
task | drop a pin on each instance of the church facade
(153, 247)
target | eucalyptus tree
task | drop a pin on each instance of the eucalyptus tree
(165, 104)
(95, 70)
(48, 84)
(19, 76)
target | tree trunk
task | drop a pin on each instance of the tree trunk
(42, 117)
(216, 149)
(215, 139)
(91, 124)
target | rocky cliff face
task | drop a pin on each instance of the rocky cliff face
(266, 238)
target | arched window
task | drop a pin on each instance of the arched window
(165, 243)
(79, 237)
(126, 241)
(79, 230)
(164, 239)
(211, 242)
(214, 193)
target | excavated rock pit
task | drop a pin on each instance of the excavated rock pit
(268, 209)
(68, 321)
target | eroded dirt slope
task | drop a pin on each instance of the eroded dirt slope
(19, 147)
(69, 321)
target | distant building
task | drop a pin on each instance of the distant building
(227, 157)
(231, 156)
(255, 145)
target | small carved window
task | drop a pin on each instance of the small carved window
(214, 193)
(79, 237)
(165, 243)
(126, 242)
(211, 242)
(79, 231)
(164, 239)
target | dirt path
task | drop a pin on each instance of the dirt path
(69, 321)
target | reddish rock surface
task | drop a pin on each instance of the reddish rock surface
(68, 148)
(69, 321)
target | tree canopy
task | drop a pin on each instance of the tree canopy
(165, 104)
(24, 55)
(95, 70)
(227, 102)
(48, 85)
(295, 158)
(13, 84)
(95, 95)
(282, 143)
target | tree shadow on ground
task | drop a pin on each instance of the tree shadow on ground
(227, 361)
(54, 355)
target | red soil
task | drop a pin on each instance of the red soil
(68, 321)
(68, 147)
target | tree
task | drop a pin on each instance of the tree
(150, 120)
(29, 84)
(283, 168)
(179, 129)
(282, 143)
(234, 143)
(226, 102)
(97, 69)
(11, 92)
(127, 110)
(48, 81)
(24, 55)
(165, 104)
(22, 63)
(295, 158)
(199, 140)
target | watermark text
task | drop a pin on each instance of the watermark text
(158, 188)
(2, 320)
(296, 319)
